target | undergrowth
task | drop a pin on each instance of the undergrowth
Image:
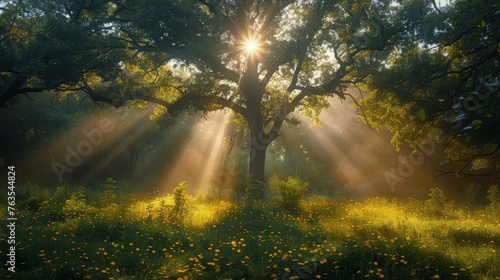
(81, 235)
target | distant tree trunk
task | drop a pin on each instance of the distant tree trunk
(133, 152)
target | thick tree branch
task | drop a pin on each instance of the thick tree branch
(15, 88)
(98, 98)
(216, 65)
(269, 74)
(282, 115)
(468, 161)
(200, 102)
(298, 68)
(270, 18)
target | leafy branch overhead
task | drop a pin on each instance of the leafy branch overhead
(314, 54)
(193, 55)
(447, 81)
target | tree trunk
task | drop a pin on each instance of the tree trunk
(258, 147)
(254, 92)
(257, 164)
(257, 160)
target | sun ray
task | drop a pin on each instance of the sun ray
(84, 142)
(200, 161)
(345, 147)
(216, 158)
(131, 135)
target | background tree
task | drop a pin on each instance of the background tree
(54, 46)
(445, 82)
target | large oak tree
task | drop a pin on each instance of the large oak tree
(262, 59)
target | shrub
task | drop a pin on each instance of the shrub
(53, 208)
(211, 194)
(291, 192)
(35, 197)
(494, 198)
(77, 203)
(60, 196)
(254, 190)
(436, 203)
(180, 208)
(108, 198)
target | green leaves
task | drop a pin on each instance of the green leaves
(474, 38)
(421, 114)
(291, 192)
(447, 81)
(476, 124)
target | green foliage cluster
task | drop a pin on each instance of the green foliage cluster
(291, 192)
(254, 190)
(77, 203)
(436, 205)
(180, 208)
(35, 197)
(109, 195)
(60, 196)
(408, 97)
(494, 198)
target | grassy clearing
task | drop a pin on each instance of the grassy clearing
(80, 237)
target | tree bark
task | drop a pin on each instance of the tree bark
(253, 92)
(257, 158)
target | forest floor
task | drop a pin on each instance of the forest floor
(139, 237)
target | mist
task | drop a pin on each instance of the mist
(342, 157)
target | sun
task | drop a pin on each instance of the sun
(251, 46)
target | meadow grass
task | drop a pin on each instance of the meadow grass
(138, 238)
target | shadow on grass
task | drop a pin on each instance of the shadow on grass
(259, 242)
(385, 254)
(472, 237)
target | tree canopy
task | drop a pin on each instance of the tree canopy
(446, 82)
(261, 59)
